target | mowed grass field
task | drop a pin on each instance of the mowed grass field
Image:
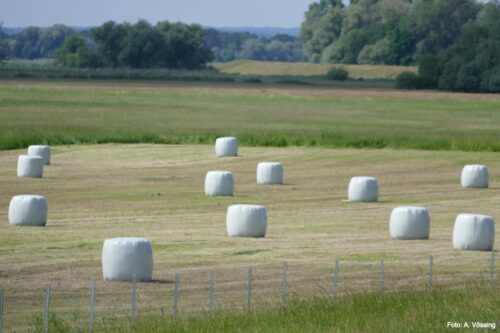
(156, 191)
(249, 67)
(66, 112)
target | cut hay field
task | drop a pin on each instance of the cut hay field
(249, 67)
(156, 191)
(67, 112)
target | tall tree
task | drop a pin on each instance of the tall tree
(75, 53)
(109, 39)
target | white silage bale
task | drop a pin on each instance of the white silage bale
(30, 166)
(474, 232)
(28, 210)
(42, 151)
(409, 222)
(269, 173)
(246, 221)
(219, 183)
(363, 189)
(227, 146)
(475, 176)
(124, 257)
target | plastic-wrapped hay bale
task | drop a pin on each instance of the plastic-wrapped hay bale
(42, 151)
(475, 176)
(269, 173)
(28, 210)
(363, 189)
(227, 146)
(124, 257)
(246, 221)
(219, 183)
(410, 222)
(474, 232)
(30, 166)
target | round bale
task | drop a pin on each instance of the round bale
(474, 232)
(227, 146)
(475, 176)
(28, 210)
(30, 166)
(124, 257)
(219, 183)
(363, 189)
(42, 151)
(269, 173)
(246, 221)
(410, 222)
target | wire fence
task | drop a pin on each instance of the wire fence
(192, 291)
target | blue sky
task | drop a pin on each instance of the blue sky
(217, 13)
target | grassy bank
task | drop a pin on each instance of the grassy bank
(404, 312)
(260, 115)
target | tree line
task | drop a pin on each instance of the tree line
(455, 43)
(142, 45)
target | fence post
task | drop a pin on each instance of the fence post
(46, 315)
(283, 290)
(176, 294)
(492, 267)
(134, 297)
(381, 276)
(92, 303)
(211, 301)
(1, 310)
(249, 293)
(431, 264)
(335, 280)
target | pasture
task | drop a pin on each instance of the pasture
(249, 67)
(68, 112)
(129, 159)
(156, 191)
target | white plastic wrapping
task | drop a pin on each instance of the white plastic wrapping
(227, 146)
(269, 173)
(474, 232)
(122, 257)
(28, 210)
(219, 183)
(42, 151)
(30, 166)
(410, 222)
(363, 189)
(246, 221)
(475, 176)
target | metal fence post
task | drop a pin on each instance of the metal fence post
(283, 290)
(431, 264)
(211, 301)
(335, 280)
(1, 310)
(46, 314)
(381, 276)
(92, 303)
(134, 297)
(492, 267)
(176, 294)
(249, 293)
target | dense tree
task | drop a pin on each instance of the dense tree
(473, 63)
(75, 53)
(109, 40)
(185, 45)
(439, 22)
(142, 47)
(33, 42)
(3, 44)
